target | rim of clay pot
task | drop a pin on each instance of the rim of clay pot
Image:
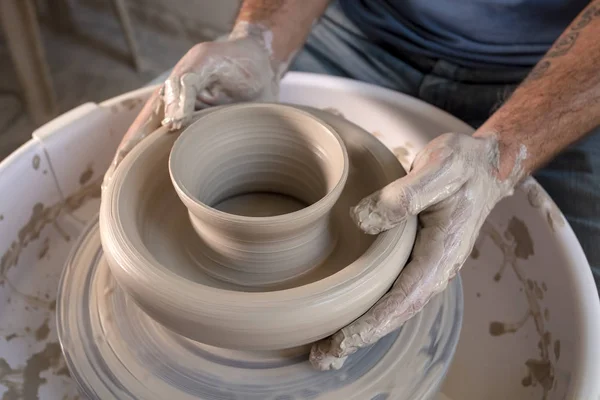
(194, 307)
(191, 132)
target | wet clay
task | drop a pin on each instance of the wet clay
(279, 150)
(130, 352)
(190, 300)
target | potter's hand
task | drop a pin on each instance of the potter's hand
(213, 73)
(454, 184)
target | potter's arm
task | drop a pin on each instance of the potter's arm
(457, 179)
(558, 103)
(287, 21)
(247, 66)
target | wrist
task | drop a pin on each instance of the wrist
(263, 37)
(508, 157)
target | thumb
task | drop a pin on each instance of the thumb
(409, 195)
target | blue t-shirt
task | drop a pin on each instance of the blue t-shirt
(466, 32)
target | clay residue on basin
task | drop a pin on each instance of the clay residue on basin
(35, 162)
(538, 199)
(42, 216)
(516, 245)
(24, 382)
(86, 175)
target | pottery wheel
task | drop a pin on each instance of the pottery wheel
(115, 351)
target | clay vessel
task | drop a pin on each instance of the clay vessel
(159, 260)
(278, 171)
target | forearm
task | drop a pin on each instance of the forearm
(288, 23)
(556, 105)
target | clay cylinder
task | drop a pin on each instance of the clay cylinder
(259, 182)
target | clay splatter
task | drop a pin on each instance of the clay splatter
(10, 337)
(519, 232)
(35, 162)
(535, 196)
(501, 328)
(41, 216)
(86, 175)
(7, 375)
(44, 250)
(64, 371)
(515, 244)
(24, 383)
(52, 305)
(36, 364)
(541, 372)
(42, 332)
(1, 217)
(555, 218)
(557, 349)
(538, 199)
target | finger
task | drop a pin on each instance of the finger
(146, 122)
(171, 94)
(409, 195)
(387, 315)
(426, 275)
(180, 97)
(321, 358)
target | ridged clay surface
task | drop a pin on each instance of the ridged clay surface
(157, 257)
(277, 156)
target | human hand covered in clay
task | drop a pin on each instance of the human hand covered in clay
(453, 185)
(237, 69)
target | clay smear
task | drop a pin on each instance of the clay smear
(516, 244)
(42, 216)
(24, 382)
(540, 200)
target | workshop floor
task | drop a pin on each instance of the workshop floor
(87, 65)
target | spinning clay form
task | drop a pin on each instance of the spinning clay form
(229, 249)
(179, 278)
(258, 149)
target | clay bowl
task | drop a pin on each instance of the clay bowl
(159, 260)
(260, 183)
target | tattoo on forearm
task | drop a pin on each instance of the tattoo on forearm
(564, 44)
(538, 71)
(592, 12)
